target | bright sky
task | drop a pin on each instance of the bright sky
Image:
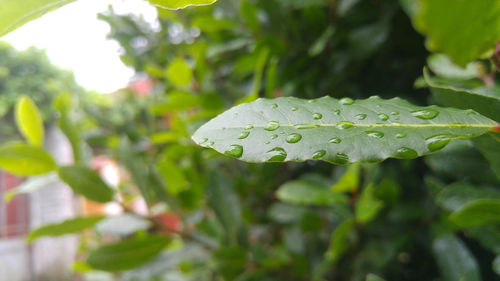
(75, 39)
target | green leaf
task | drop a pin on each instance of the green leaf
(349, 181)
(458, 195)
(32, 184)
(489, 145)
(180, 4)
(179, 72)
(309, 193)
(173, 176)
(368, 205)
(479, 100)
(28, 120)
(477, 213)
(444, 67)
(16, 13)
(127, 254)
(373, 277)
(126, 224)
(63, 228)
(86, 182)
(496, 265)
(25, 160)
(455, 261)
(340, 241)
(338, 131)
(464, 30)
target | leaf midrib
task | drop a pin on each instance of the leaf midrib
(371, 125)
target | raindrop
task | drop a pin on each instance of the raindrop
(318, 154)
(268, 142)
(312, 101)
(406, 153)
(272, 126)
(437, 142)
(346, 101)
(235, 151)
(317, 116)
(335, 140)
(274, 106)
(400, 135)
(383, 116)
(278, 154)
(361, 116)
(274, 136)
(211, 143)
(375, 134)
(295, 108)
(293, 138)
(425, 114)
(204, 140)
(249, 127)
(244, 135)
(394, 113)
(337, 111)
(306, 126)
(341, 158)
(342, 125)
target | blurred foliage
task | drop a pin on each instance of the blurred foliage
(229, 220)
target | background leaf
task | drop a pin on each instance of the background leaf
(454, 259)
(465, 32)
(477, 213)
(16, 13)
(25, 160)
(86, 182)
(63, 228)
(29, 122)
(338, 131)
(305, 192)
(179, 4)
(127, 254)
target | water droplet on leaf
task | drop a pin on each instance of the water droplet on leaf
(437, 142)
(234, 151)
(277, 154)
(394, 113)
(318, 154)
(249, 127)
(342, 125)
(406, 153)
(244, 135)
(293, 138)
(317, 116)
(272, 126)
(274, 136)
(375, 134)
(335, 140)
(337, 111)
(383, 116)
(295, 108)
(425, 114)
(346, 101)
(341, 158)
(306, 126)
(361, 116)
(274, 106)
(400, 135)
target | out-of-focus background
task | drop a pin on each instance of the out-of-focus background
(122, 85)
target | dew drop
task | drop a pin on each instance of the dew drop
(375, 134)
(272, 126)
(337, 111)
(249, 127)
(361, 116)
(425, 114)
(235, 150)
(400, 135)
(317, 116)
(341, 158)
(394, 113)
(342, 125)
(306, 126)
(406, 153)
(274, 106)
(244, 135)
(437, 142)
(346, 101)
(204, 140)
(293, 138)
(312, 101)
(267, 142)
(295, 108)
(273, 137)
(318, 154)
(383, 116)
(335, 140)
(277, 154)
(211, 143)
